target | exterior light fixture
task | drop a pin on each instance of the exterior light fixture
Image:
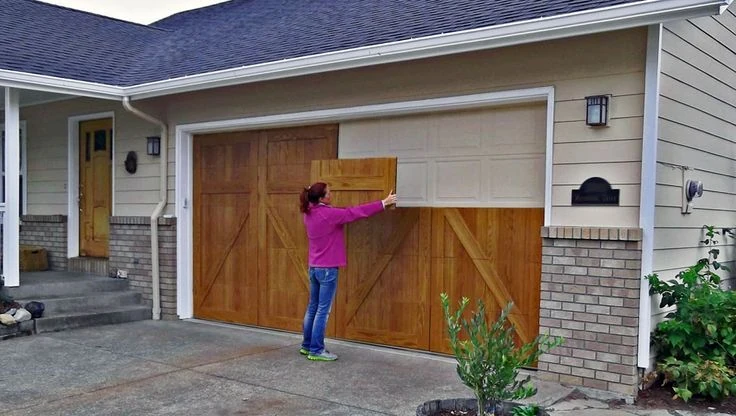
(596, 110)
(154, 146)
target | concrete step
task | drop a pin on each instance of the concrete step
(23, 328)
(92, 317)
(80, 285)
(78, 303)
(94, 265)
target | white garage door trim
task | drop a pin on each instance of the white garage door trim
(184, 156)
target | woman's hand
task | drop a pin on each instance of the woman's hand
(390, 199)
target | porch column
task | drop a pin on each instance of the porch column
(11, 217)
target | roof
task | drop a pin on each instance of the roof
(42, 39)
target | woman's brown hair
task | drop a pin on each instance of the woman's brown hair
(311, 195)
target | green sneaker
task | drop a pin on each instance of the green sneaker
(323, 356)
(303, 351)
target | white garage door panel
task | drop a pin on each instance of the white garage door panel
(481, 158)
(413, 188)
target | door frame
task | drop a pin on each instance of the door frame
(73, 177)
(185, 158)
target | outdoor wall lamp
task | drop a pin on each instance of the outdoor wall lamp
(154, 146)
(596, 110)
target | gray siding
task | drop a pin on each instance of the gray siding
(697, 129)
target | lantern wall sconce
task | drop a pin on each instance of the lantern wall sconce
(596, 111)
(153, 147)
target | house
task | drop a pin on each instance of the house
(175, 152)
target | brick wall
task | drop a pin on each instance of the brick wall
(49, 232)
(590, 296)
(130, 249)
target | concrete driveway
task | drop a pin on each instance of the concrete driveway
(197, 368)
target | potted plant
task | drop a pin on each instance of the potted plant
(488, 362)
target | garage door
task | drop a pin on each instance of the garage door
(250, 247)
(249, 242)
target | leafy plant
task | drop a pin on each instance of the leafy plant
(697, 344)
(528, 410)
(706, 378)
(488, 358)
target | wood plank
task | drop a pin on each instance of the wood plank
(488, 272)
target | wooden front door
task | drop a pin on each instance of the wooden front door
(95, 187)
(250, 247)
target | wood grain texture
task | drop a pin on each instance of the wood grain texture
(95, 187)
(251, 247)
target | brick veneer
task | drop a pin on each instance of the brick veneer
(49, 232)
(590, 296)
(130, 249)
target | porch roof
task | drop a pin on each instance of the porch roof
(52, 41)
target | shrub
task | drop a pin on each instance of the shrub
(488, 359)
(697, 344)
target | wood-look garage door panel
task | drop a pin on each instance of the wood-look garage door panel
(286, 157)
(225, 231)
(492, 254)
(383, 290)
(386, 286)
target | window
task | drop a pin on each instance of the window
(23, 168)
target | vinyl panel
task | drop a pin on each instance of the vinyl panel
(44, 198)
(615, 173)
(682, 92)
(627, 83)
(674, 46)
(482, 157)
(715, 84)
(600, 216)
(41, 187)
(681, 134)
(360, 138)
(457, 180)
(520, 180)
(578, 131)
(614, 151)
(406, 135)
(692, 31)
(694, 157)
(667, 238)
(412, 182)
(679, 259)
(673, 217)
(466, 129)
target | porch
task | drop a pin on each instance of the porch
(74, 300)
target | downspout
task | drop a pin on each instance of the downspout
(163, 196)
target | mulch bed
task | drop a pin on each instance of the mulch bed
(660, 397)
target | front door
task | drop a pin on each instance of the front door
(95, 187)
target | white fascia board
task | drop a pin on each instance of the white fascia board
(574, 24)
(35, 82)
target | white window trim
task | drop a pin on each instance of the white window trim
(23, 165)
(73, 177)
(184, 156)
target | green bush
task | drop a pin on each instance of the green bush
(697, 344)
(488, 359)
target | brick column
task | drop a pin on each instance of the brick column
(590, 296)
(130, 250)
(49, 232)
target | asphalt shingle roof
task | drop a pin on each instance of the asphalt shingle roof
(50, 40)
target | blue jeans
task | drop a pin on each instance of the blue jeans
(322, 286)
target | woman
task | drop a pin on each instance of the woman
(324, 224)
